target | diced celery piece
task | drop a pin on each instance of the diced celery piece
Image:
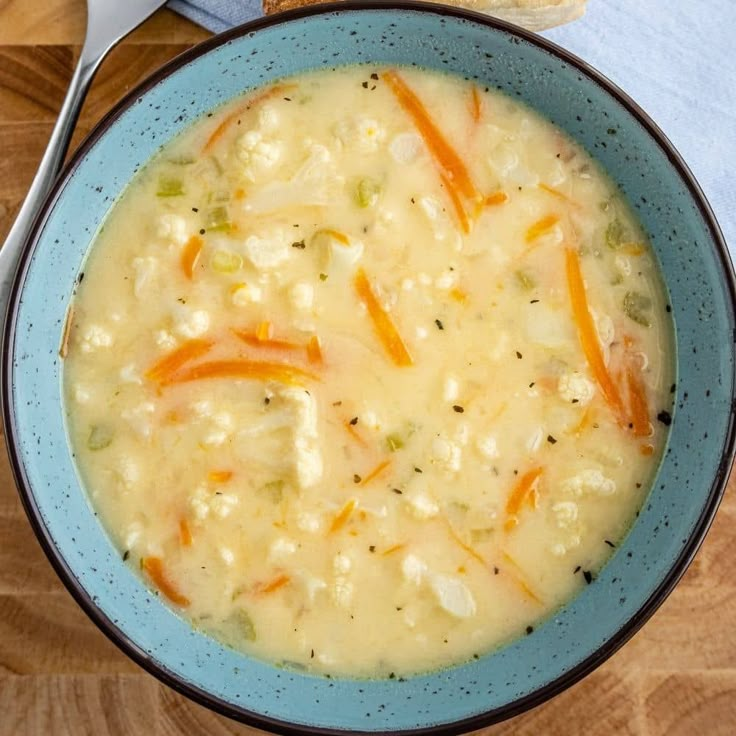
(637, 306)
(169, 186)
(225, 261)
(525, 280)
(100, 437)
(218, 219)
(394, 442)
(367, 192)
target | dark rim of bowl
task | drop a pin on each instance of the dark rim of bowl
(205, 698)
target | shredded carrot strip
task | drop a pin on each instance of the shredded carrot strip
(456, 204)
(228, 120)
(190, 255)
(584, 421)
(375, 472)
(466, 547)
(519, 580)
(314, 350)
(342, 517)
(458, 295)
(393, 549)
(446, 157)
(278, 582)
(239, 194)
(587, 333)
(638, 406)
(384, 327)
(188, 351)
(496, 198)
(255, 341)
(523, 487)
(264, 331)
(337, 235)
(475, 103)
(185, 533)
(219, 476)
(155, 569)
(632, 249)
(244, 369)
(64, 347)
(556, 193)
(647, 450)
(540, 227)
(354, 434)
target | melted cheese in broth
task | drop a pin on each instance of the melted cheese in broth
(369, 371)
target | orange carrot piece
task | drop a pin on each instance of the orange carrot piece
(253, 370)
(540, 227)
(239, 194)
(190, 255)
(342, 517)
(272, 586)
(517, 575)
(186, 352)
(219, 476)
(314, 350)
(337, 235)
(255, 341)
(456, 204)
(647, 450)
(185, 533)
(496, 198)
(444, 154)
(466, 547)
(228, 120)
(384, 327)
(638, 406)
(521, 490)
(354, 434)
(375, 472)
(588, 335)
(556, 193)
(154, 568)
(391, 550)
(458, 295)
(475, 104)
(66, 334)
(264, 331)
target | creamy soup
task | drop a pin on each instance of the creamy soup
(369, 371)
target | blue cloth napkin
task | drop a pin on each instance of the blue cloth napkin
(672, 58)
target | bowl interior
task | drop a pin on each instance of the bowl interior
(674, 516)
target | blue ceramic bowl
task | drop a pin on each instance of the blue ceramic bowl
(674, 517)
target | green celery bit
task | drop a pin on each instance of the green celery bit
(275, 489)
(218, 219)
(367, 192)
(169, 186)
(244, 624)
(220, 196)
(394, 442)
(636, 306)
(182, 159)
(479, 536)
(225, 261)
(614, 234)
(524, 280)
(100, 437)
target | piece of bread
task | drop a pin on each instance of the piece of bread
(534, 15)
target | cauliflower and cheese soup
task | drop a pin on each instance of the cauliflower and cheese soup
(369, 371)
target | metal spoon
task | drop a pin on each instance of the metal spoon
(108, 21)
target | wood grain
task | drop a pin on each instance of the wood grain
(60, 676)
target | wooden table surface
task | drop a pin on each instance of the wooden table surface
(60, 676)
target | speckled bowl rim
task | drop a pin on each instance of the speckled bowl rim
(520, 705)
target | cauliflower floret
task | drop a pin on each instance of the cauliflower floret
(82, 394)
(308, 522)
(202, 502)
(342, 592)
(406, 147)
(365, 134)
(574, 386)
(222, 504)
(133, 534)
(566, 513)
(244, 294)
(190, 323)
(268, 118)
(145, 269)
(589, 481)
(94, 337)
(256, 153)
(139, 418)
(129, 374)
(128, 473)
(446, 280)
(269, 250)
(302, 296)
(447, 454)
(281, 548)
(413, 569)
(453, 595)
(341, 564)
(307, 453)
(422, 505)
(172, 228)
(164, 339)
(312, 585)
(487, 446)
(227, 555)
